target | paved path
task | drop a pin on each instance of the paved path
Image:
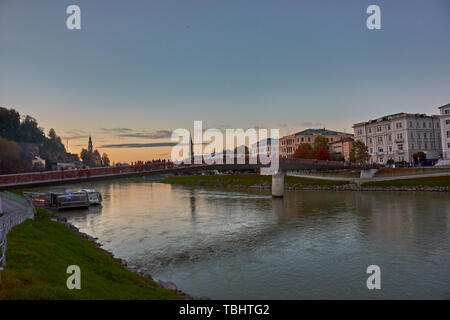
(359, 180)
(11, 206)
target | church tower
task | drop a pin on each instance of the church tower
(90, 148)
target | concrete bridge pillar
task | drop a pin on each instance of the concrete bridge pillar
(278, 185)
(367, 173)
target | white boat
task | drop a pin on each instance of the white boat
(70, 200)
(93, 195)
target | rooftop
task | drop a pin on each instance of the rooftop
(342, 140)
(319, 131)
(263, 142)
(395, 115)
(447, 105)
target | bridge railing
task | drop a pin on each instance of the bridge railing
(12, 218)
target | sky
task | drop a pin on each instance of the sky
(138, 69)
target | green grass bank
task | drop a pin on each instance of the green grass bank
(443, 181)
(247, 180)
(39, 252)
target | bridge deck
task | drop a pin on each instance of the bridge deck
(25, 180)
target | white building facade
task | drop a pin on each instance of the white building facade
(445, 134)
(397, 137)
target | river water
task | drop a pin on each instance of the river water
(245, 245)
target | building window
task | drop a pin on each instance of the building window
(390, 148)
(400, 147)
(370, 130)
(371, 150)
(380, 139)
(380, 149)
(447, 111)
(447, 121)
(389, 127)
(448, 134)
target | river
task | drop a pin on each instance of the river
(245, 245)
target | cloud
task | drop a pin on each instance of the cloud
(115, 130)
(75, 134)
(160, 134)
(144, 145)
(139, 145)
(312, 124)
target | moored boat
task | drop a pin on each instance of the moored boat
(65, 200)
(93, 195)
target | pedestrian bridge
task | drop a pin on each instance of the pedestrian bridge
(36, 179)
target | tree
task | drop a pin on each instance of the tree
(53, 150)
(10, 157)
(105, 160)
(31, 141)
(320, 142)
(359, 152)
(336, 156)
(30, 131)
(9, 123)
(304, 151)
(86, 157)
(419, 156)
(322, 154)
(38, 166)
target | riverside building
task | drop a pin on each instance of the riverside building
(398, 136)
(445, 134)
(288, 144)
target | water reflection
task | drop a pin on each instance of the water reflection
(192, 197)
(311, 244)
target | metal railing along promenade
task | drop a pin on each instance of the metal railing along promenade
(8, 220)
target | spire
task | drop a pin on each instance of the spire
(90, 147)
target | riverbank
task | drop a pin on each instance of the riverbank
(248, 180)
(434, 184)
(40, 250)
